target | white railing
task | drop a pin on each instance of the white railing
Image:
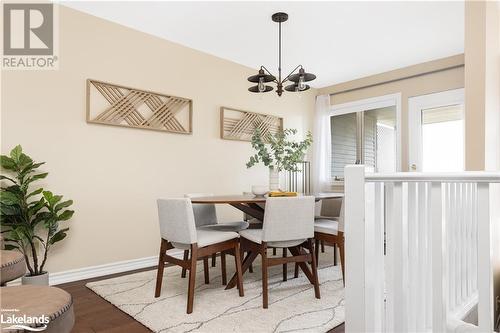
(418, 251)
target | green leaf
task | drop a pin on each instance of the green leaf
(62, 205)
(47, 195)
(15, 153)
(8, 198)
(10, 247)
(35, 192)
(58, 236)
(9, 210)
(7, 163)
(38, 176)
(66, 215)
(7, 178)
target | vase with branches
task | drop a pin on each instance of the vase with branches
(278, 152)
(30, 218)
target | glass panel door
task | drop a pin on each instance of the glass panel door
(436, 132)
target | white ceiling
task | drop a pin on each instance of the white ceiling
(337, 41)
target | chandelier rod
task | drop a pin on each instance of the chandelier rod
(279, 53)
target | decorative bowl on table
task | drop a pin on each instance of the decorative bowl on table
(259, 190)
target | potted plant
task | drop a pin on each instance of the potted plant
(278, 153)
(30, 218)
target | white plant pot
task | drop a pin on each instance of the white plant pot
(39, 280)
(274, 179)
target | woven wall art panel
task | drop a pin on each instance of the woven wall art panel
(112, 104)
(240, 125)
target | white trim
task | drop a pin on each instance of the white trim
(376, 103)
(415, 106)
(102, 270)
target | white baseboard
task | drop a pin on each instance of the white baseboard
(102, 270)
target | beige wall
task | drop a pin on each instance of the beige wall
(115, 174)
(482, 88)
(444, 74)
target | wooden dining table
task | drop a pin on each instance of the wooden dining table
(252, 205)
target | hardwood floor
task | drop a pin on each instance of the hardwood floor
(94, 314)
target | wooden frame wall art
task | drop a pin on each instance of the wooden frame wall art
(240, 125)
(116, 105)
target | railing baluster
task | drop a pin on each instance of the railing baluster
(422, 266)
(396, 245)
(413, 255)
(438, 268)
(428, 279)
(485, 272)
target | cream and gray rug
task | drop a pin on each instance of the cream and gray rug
(292, 305)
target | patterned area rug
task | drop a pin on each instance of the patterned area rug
(292, 305)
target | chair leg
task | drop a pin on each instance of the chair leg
(322, 246)
(192, 277)
(342, 264)
(314, 269)
(285, 268)
(161, 266)
(186, 257)
(214, 259)
(237, 262)
(205, 270)
(223, 268)
(264, 275)
(334, 254)
(316, 250)
(296, 273)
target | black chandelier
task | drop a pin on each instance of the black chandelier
(299, 79)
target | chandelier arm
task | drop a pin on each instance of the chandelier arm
(268, 72)
(286, 78)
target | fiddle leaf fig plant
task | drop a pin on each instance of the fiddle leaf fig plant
(29, 218)
(277, 151)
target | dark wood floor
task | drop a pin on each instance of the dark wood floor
(94, 314)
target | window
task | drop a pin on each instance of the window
(366, 137)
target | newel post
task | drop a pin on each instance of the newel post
(354, 214)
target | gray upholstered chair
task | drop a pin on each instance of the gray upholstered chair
(288, 224)
(330, 231)
(178, 230)
(205, 217)
(328, 209)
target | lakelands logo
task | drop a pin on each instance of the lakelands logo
(29, 36)
(12, 321)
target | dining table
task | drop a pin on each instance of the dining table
(254, 206)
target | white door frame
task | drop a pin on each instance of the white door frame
(415, 106)
(375, 103)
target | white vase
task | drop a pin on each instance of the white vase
(274, 179)
(39, 280)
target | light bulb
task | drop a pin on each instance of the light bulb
(262, 86)
(301, 84)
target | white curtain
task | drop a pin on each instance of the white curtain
(322, 145)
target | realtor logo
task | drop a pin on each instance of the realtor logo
(29, 36)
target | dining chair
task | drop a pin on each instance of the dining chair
(178, 230)
(288, 224)
(331, 232)
(328, 209)
(205, 216)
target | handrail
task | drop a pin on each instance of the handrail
(451, 177)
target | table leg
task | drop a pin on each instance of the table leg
(252, 211)
(249, 259)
